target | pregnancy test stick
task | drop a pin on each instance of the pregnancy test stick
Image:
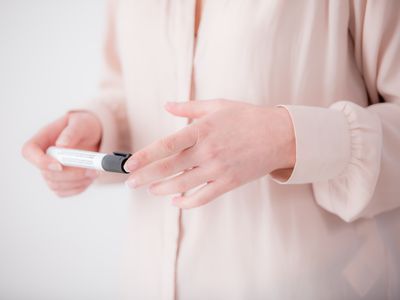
(90, 160)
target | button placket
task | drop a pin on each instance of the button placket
(184, 43)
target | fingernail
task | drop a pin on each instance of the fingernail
(131, 165)
(54, 167)
(91, 174)
(131, 183)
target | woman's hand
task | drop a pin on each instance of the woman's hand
(228, 144)
(81, 130)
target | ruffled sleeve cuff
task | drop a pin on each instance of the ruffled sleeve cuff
(338, 150)
(322, 144)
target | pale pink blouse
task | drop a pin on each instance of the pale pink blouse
(330, 231)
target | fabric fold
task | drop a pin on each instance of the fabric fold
(338, 150)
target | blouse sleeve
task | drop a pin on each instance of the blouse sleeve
(351, 154)
(109, 106)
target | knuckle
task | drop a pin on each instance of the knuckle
(142, 157)
(210, 151)
(168, 144)
(164, 167)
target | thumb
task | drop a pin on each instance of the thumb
(70, 136)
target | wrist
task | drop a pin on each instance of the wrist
(286, 139)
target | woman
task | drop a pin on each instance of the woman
(285, 184)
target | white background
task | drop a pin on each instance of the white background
(52, 248)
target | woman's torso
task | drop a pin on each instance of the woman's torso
(262, 240)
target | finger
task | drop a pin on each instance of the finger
(35, 155)
(162, 168)
(70, 174)
(34, 149)
(179, 141)
(48, 134)
(71, 135)
(194, 108)
(70, 193)
(181, 183)
(61, 186)
(204, 195)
